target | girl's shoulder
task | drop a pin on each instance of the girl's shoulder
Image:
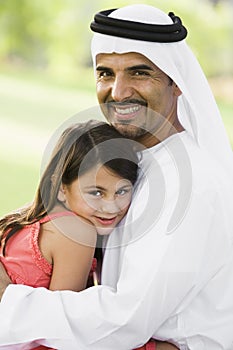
(67, 224)
(68, 242)
(65, 231)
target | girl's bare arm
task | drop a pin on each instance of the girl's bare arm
(4, 280)
(69, 244)
(165, 346)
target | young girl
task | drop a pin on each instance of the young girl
(85, 190)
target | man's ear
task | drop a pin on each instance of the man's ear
(61, 196)
(177, 90)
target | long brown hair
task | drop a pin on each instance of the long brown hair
(80, 147)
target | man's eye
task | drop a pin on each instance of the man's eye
(141, 73)
(104, 74)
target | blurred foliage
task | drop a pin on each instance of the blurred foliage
(55, 35)
(43, 33)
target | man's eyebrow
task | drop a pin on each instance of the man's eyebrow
(140, 67)
(100, 68)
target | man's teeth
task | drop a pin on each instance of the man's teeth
(127, 110)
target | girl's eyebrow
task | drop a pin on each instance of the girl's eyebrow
(93, 187)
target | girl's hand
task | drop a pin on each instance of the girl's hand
(4, 280)
(158, 345)
(165, 346)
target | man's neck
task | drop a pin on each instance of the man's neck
(151, 139)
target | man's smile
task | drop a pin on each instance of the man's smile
(127, 110)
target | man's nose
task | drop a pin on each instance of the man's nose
(121, 89)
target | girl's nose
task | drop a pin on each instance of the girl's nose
(109, 207)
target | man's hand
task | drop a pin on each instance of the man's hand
(4, 280)
(165, 346)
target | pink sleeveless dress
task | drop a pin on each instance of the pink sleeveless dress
(23, 259)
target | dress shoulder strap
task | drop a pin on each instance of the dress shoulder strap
(59, 214)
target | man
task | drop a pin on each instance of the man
(168, 274)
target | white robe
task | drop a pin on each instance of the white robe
(170, 279)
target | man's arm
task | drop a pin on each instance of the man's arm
(149, 290)
(4, 280)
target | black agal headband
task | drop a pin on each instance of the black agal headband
(162, 33)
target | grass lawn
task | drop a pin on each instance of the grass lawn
(30, 112)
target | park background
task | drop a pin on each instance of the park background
(46, 74)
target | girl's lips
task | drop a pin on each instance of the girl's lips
(105, 221)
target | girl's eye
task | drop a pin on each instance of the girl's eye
(122, 191)
(95, 193)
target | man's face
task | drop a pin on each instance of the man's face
(134, 94)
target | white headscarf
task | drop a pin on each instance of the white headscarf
(197, 109)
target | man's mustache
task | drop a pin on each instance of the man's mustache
(113, 103)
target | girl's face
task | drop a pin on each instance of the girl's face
(100, 196)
